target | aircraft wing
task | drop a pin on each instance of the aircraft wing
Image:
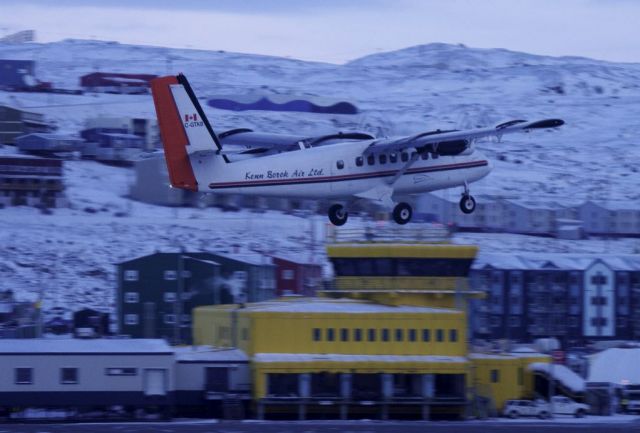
(452, 140)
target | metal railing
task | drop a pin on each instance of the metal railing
(426, 233)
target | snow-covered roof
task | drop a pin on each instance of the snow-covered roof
(52, 136)
(301, 259)
(333, 357)
(325, 305)
(251, 259)
(209, 354)
(563, 374)
(119, 135)
(616, 366)
(84, 346)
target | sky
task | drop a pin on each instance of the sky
(337, 31)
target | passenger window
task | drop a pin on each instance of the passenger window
(393, 158)
(382, 159)
(385, 334)
(413, 155)
(359, 161)
(399, 335)
(404, 156)
(371, 159)
(340, 164)
(372, 334)
(425, 155)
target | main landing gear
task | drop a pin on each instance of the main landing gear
(402, 213)
(467, 202)
(338, 215)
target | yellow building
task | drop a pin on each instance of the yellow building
(389, 338)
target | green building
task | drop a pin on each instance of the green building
(156, 293)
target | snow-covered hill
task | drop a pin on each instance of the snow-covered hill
(71, 254)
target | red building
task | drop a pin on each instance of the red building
(108, 82)
(296, 276)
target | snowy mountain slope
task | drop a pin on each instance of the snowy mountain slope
(70, 255)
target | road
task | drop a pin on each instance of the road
(520, 426)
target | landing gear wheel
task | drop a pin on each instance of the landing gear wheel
(337, 215)
(402, 213)
(467, 204)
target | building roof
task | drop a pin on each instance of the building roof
(209, 354)
(248, 258)
(50, 136)
(326, 305)
(83, 346)
(331, 357)
(301, 259)
(540, 261)
(119, 135)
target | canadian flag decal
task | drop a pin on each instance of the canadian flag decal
(191, 117)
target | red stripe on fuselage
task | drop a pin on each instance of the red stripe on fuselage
(174, 138)
(341, 178)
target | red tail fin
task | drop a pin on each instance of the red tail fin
(173, 136)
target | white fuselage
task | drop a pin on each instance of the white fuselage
(315, 173)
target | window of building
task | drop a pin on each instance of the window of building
(399, 334)
(330, 334)
(241, 275)
(344, 334)
(412, 335)
(573, 321)
(453, 335)
(357, 334)
(426, 335)
(131, 297)
(598, 300)
(393, 158)
(170, 297)
(287, 274)
(404, 156)
(598, 279)
(130, 319)
(598, 321)
(385, 334)
(382, 158)
(359, 161)
(170, 275)
(125, 371)
(169, 319)
(621, 322)
(24, 375)
(186, 274)
(371, 159)
(131, 275)
(371, 334)
(494, 376)
(520, 376)
(514, 321)
(439, 335)
(68, 375)
(340, 164)
(316, 334)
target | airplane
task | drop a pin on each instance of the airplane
(341, 167)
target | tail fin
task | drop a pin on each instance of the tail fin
(184, 128)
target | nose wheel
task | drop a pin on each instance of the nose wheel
(402, 213)
(467, 203)
(338, 215)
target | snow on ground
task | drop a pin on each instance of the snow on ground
(69, 256)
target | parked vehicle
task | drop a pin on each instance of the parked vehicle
(518, 408)
(566, 406)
